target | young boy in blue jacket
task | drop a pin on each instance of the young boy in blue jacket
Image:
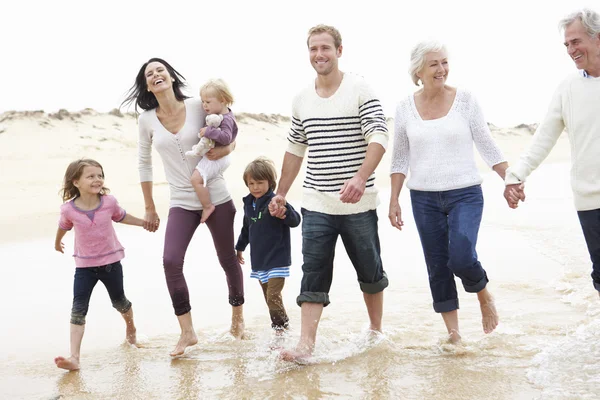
(268, 236)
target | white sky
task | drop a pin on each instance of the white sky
(78, 54)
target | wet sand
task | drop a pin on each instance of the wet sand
(547, 344)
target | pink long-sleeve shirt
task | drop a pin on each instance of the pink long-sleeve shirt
(96, 242)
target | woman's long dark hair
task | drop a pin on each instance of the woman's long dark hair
(146, 100)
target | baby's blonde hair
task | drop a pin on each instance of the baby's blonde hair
(219, 89)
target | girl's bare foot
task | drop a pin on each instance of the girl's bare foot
(185, 340)
(130, 335)
(70, 364)
(206, 212)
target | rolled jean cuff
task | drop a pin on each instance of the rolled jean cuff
(313, 297)
(446, 306)
(478, 287)
(597, 286)
(374, 288)
(122, 306)
(236, 301)
(77, 319)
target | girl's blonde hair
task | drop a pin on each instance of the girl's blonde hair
(219, 89)
(73, 173)
(261, 169)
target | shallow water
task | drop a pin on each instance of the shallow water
(547, 345)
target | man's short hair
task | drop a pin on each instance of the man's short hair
(417, 57)
(335, 34)
(590, 20)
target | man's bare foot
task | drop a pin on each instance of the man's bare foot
(206, 212)
(237, 328)
(70, 364)
(130, 335)
(185, 340)
(300, 354)
(454, 337)
(295, 355)
(489, 316)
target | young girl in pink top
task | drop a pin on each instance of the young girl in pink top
(91, 210)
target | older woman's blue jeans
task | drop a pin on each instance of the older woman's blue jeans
(448, 225)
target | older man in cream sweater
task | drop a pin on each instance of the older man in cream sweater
(575, 108)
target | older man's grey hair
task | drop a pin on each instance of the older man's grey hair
(590, 20)
(417, 57)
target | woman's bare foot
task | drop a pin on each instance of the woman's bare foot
(237, 322)
(489, 316)
(454, 337)
(185, 340)
(70, 364)
(237, 329)
(206, 212)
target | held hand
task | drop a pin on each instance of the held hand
(202, 132)
(353, 190)
(513, 194)
(395, 215)
(151, 221)
(60, 247)
(240, 257)
(277, 206)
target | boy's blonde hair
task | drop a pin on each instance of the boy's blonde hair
(261, 169)
(73, 173)
(219, 89)
(335, 34)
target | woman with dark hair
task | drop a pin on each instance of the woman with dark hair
(171, 122)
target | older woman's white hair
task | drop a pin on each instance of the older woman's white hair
(417, 57)
(589, 19)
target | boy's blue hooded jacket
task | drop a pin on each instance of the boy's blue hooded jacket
(269, 237)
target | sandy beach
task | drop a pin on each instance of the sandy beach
(547, 345)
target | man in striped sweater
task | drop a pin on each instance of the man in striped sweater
(340, 121)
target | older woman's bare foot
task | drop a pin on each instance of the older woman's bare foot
(70, 364)
(186, 340)
(489, 316)
(454, 337)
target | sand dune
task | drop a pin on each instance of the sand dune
(35, 148)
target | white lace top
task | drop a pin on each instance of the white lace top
(439, 152)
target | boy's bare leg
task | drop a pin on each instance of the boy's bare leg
(130, 330)
(311, 315)
(188, 335)
(72, 363)
(237, 322)
(203, 195)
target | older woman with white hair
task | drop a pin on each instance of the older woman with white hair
(435, 129)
